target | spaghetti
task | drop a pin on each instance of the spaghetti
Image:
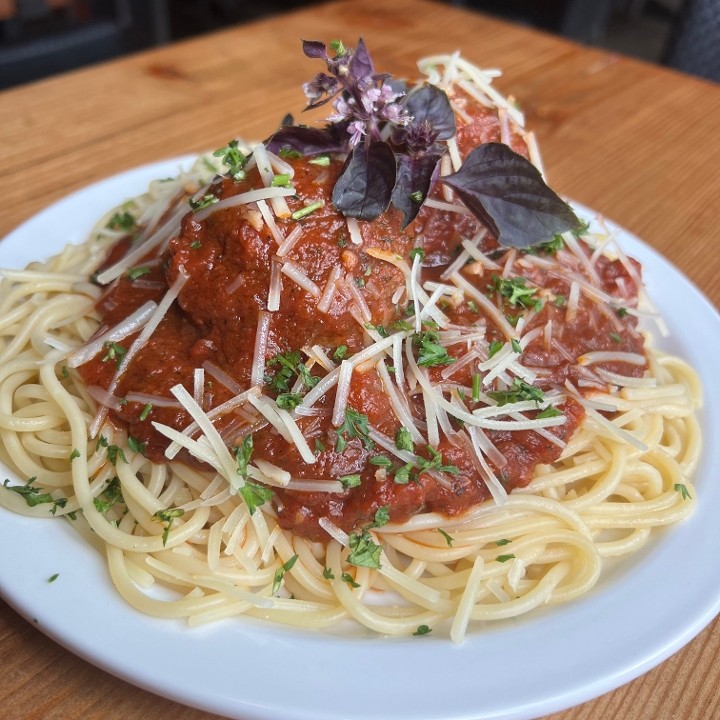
(406, 524)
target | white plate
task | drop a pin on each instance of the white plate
(642, 611)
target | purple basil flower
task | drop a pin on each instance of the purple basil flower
(356, 129)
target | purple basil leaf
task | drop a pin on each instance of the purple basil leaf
(360, 63)
(314, 49)
(414, 175)
(428, 104)
(309, 141)
(398, 86)
(321, 90)
(507, 193)
(366, 183)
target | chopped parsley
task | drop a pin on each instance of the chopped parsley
(549, 248)
(280, 573)
(282, 180)
(168, 517)
(307, 210)
(319, 446)
(255, 495)
(548, 412)
(136, 272)
(252, 493)
(243, 453)
(403, 440)
(321, 160)
(204, 202)
(422, 630)
(431, 353)
(435, 462)
(519, 390)
(34, 496)
(348, 578)
(328, 574)
(355, 425)
(114, 352)
(74, 454)
(288, 401)
(615, 337)
(115, 453)
(682, 489)
(135, 445)
(502, 542)
(515, 345)
(516, 292)
(381, 461)
(146, 411)
(289, 365)
(476, 380)
(417, 253)
(382, 516)
(111, 495)
(122, 221)
(494, 348)
(233, 158)
(350, 481)
(364, 551)
(53, 577)
(402, 474)
(340, 352)
(504, 558)
(448, 538)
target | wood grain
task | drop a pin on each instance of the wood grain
(636, 142)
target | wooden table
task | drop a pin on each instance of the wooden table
(636, 142)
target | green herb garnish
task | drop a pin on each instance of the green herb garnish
(122, 221)
(432, 353)
(136, 272)
(280, 573)
(168, 517)
(364, 551)
(114, 352)
(204, 202)
(34, 496)
(519, 390)
(307, 210)
(350, 481)
(403, 440)
(355, 425)
(233, 158)
(111, 494)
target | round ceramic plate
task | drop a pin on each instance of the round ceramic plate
(642, 610)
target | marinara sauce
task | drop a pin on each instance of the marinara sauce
(228, 258)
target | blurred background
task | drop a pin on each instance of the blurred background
(39, 38)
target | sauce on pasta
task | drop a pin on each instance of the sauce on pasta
(228, 259)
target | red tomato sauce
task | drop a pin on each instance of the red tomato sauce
(227, 258)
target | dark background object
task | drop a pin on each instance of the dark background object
(39, 38)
